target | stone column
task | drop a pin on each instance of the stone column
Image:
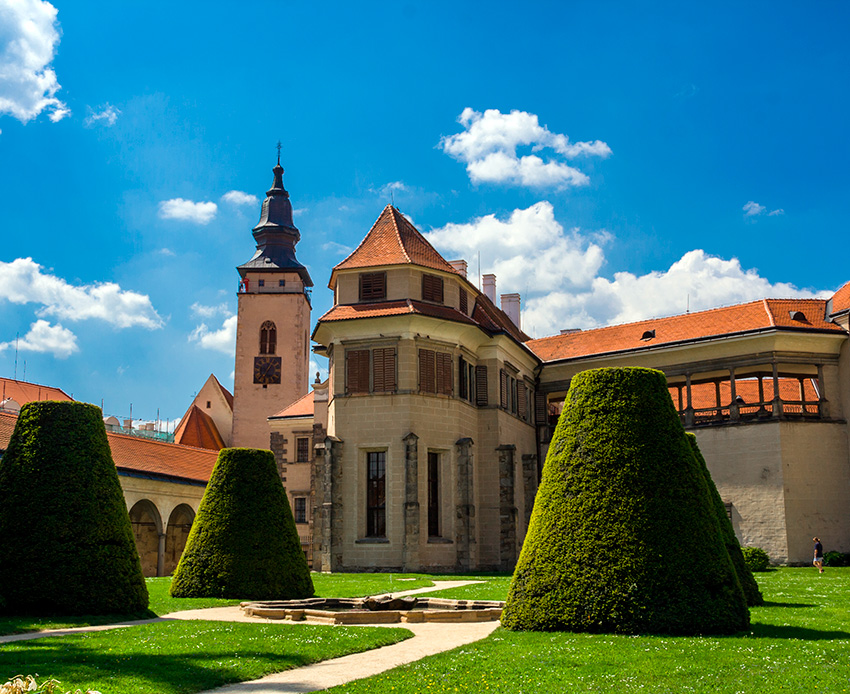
(507, 507)
(160, 556)
(777, 401)
(331, 494)
(689, 410)
(823, 403)
(529, 486)
(411, 503)
(734, 411)
(465, 509)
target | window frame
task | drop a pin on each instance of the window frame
(299, 440)
(268, 337)
(433, 288)
(296, 512)
(372, 286)
(376, 494)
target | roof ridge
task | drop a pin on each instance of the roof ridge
(769, 313)
(395, 214)
(363, 240)
(145, 439)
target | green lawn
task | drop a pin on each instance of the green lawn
(799, 642)
(183, 656)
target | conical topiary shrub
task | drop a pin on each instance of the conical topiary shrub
(66, 545)
(243, 543)
(623, 537)
(733, 547)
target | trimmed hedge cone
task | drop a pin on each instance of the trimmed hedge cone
(243, 543)
(733, 547)
(66, 544)
(623, 537)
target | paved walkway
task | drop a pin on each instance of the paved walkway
(428, 639)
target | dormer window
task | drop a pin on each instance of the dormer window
(798, 316)
(648, 335)
(432, 288)
(373, 286)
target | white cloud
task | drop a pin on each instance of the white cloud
(166, 252)
(23, 282)
(557, 272)
(317, 368)
(29, 35)
(774, 213)
(529, 247)
(188, 211)
(45, 338)
(221, 340)
(753, 209)
(488, 147)
(107, 115)
(237, 197)
(202, 311)
(338, 248)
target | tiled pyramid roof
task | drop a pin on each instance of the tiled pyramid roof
(840, 300)
(198, 429)
(730, 320)
(135, 454)
(393, 240)
(303, 407)
(23, 392)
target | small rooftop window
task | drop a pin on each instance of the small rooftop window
(798, 316)
(647, 335)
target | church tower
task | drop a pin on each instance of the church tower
(273, 323)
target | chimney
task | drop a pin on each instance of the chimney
(459, 266)
(490, 287)
(570, 331)
(128, 423)
(510, 305)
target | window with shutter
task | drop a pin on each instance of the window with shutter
(503, 389)
(522, 401)
(373, 285)
(464, 302)
(432, 288)
(462, 378)
(357, 371)
(513, 391)
(481, 386)
(540, 408)
(445, 379)
(427, 371)
(383, 370)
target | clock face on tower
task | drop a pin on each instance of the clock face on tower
(267, 370)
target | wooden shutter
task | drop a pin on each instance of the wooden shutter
(383, 370)
(464, 305)
(432, 288)
(522, 397)
(427, 371)
(503, 389)
(445, 377)
(540, 408)
(462, 378)
(357, 371)
(481, 386)
(373, 285)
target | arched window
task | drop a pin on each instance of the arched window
(268, 338)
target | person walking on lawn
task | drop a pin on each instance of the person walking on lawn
(818, 560)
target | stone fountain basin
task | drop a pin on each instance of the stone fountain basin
(376, 610)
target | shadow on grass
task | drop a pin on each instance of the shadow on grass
(767, 603)
(24, 624)
(774, 631)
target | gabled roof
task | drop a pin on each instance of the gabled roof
(23, 392)
(198, 429)
(393, 240)
(765, 314)
(303, 407)
(840, 301)
(228, 396)
(401, 307)
(137, 455)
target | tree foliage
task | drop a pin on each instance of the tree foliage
(243, 543)
(66, 544)
(623, 537)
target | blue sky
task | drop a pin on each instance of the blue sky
(609, 161)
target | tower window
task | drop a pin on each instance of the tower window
(373, 285)
(261, 283)
(209, 404)
(281, 283)
(376, 499)
(357, 371)
(302, 450)
(300, 510)
(268, 338)
(464, 302)
(435, 372)
(432, 288)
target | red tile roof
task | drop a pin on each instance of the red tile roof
(841, 300)
(765, 314)
(198, 429)
(393, 240)
(495, 320)
(144, 456)
(303, 407)
(23, 392)
(394, 308)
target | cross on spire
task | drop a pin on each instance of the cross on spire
(278, 151)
